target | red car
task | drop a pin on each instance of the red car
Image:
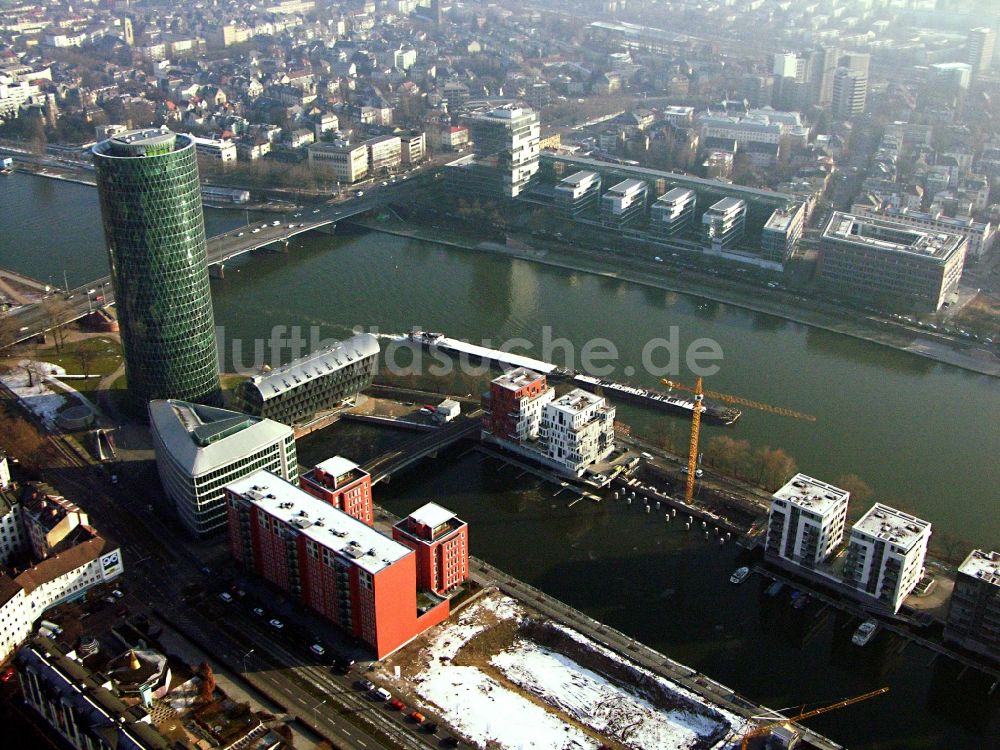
(397, 704)
(7, 675)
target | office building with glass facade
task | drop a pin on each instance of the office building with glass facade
(147, 181)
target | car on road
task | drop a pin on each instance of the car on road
(740, 575)
(315, 210)
(117, 593)
(343, 666)
(226, 596)
(276, 624)
(258, 611)
(256, 229)
(657, 258)
(381, 694)
(358, 193)
(318, 649)
(366, 685)
(384, 183)
(275, 223)
(397, 704)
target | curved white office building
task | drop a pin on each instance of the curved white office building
(201, 449)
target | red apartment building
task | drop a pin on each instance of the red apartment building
(356, 577)
(514, 407)
(343, 484)
(441, 541)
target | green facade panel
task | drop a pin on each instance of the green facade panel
(155, 230)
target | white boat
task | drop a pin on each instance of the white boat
(740, 575)
(864, 633)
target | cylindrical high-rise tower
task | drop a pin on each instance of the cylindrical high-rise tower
(155, 229)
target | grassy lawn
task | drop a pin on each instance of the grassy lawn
(93, 356)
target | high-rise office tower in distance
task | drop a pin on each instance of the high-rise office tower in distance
(155, 229)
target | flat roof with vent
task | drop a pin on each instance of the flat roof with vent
(891, 237)
(812, 494)
(982, 565)
(328, 526)
(895, 526)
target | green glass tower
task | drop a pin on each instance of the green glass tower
(155, 229)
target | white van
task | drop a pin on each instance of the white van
(381, 693)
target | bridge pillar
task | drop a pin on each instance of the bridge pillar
(217, 271)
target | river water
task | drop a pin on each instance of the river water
(922, 434)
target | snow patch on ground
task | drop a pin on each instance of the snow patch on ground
(39, 398)
(486, 710)
(591, 699)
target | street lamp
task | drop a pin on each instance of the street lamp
(245, 659)
(90, 306)
(315, 719)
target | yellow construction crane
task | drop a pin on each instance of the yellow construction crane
(699, 397)
(765, 728)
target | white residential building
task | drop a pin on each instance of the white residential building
(61, 577)
(673, 212)
(577, 430)
(885, 557)
(11, 536)
(578, 192)
(346, 163)
(215, 149)
(624, 203)
(509, 134)
(384, 154)
(806, 522)
(200, 449)
(724, 224)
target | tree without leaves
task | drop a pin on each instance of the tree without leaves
(86, 358)
(774, 467)
(206, 690)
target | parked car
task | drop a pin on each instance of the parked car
(416, 717)
(317, 649)
(258, 611)
(277, 624)
(366, 685)
(864, 633)
(740, 575)
(226, 596)
(381, 694)
(397, 704)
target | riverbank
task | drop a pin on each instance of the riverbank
(80, 178)
(885, 334)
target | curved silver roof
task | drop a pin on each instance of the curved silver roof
(315, 365)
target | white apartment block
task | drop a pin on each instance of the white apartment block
(743, 130)
(201, 449)
(348, 164)
(624, 203)
(885, 557)
(673, 212)
(59, 578)
(806, 522)
(385, 154)
(512, 134)
(578, 191)
(11, 535)
(215, 149)
(577, 430)
(724, 223)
